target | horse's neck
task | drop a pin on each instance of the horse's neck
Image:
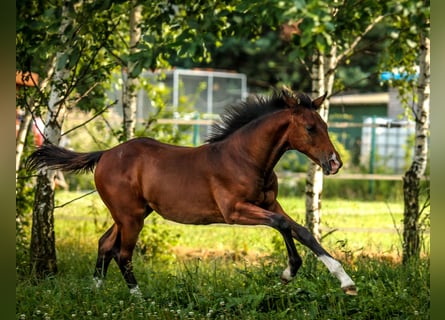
(265, 141)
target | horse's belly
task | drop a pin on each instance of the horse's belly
(188, 213)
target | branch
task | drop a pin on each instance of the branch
(357, 40)
(426, 204)
(75, 199)
(395, 224)
(85, 93)
(99, 143)
(329, 233)
(110, 127)
(306, 67)
(91, 119)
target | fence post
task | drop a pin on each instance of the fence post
(372, 155)
(196, 129)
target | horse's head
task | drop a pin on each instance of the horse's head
(308, 132)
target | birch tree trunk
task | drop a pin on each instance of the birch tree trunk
(411, 180)
(323, 75)
(42, 248)
(323, 72)
(20, 139)
(131, 82)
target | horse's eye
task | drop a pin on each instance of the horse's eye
(310, 129)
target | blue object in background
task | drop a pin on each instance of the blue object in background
(388, 75)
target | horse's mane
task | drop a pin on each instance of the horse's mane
(236, 116)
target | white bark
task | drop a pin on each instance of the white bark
(20, 139)
(323, 80)
(411, 179)
(129, 91)
(422, 110)
(314, 179)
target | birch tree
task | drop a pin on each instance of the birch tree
(129, 77)
(411, 179)
(61, 46)
(42, 249)
(335, 32)
(349, 23)
(408, 52)
(414, 33)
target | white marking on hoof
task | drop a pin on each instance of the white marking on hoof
(337, 270)
(286, 275)
(98, 282)
(136, 291)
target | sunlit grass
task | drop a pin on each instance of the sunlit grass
(357, 226)
(231, 272)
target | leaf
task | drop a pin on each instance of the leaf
(74, 57)
(320, 43)
(412, 44)
(62, 61)
(136, 69)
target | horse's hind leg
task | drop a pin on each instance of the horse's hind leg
(109, 245)
(130, 230)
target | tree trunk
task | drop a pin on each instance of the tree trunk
(411, 237)
(131, 82)
(411, 180)
(42, 248)
(323, 75)
(322, 80)
(20, 139)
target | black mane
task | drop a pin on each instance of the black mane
(236, 116)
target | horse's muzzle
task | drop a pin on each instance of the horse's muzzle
(332, 165)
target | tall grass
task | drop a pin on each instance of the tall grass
(216, 272)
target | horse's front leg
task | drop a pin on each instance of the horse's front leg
(303, 235)
(248, 214)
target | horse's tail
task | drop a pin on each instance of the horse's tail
(57, 158)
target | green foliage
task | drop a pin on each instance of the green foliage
(24, 205)
(347, 189)
(156, 240)
(24, 202)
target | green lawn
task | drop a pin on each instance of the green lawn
(362, 227)
(229, 272)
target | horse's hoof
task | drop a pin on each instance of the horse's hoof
(350, 290)
(286, 276)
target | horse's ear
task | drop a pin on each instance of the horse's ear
(289, 97)
(319, 101)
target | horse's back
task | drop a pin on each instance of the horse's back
(168, 178)
(129, 158)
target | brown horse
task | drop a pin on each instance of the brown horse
(229, 180)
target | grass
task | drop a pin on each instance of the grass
(220, 272)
